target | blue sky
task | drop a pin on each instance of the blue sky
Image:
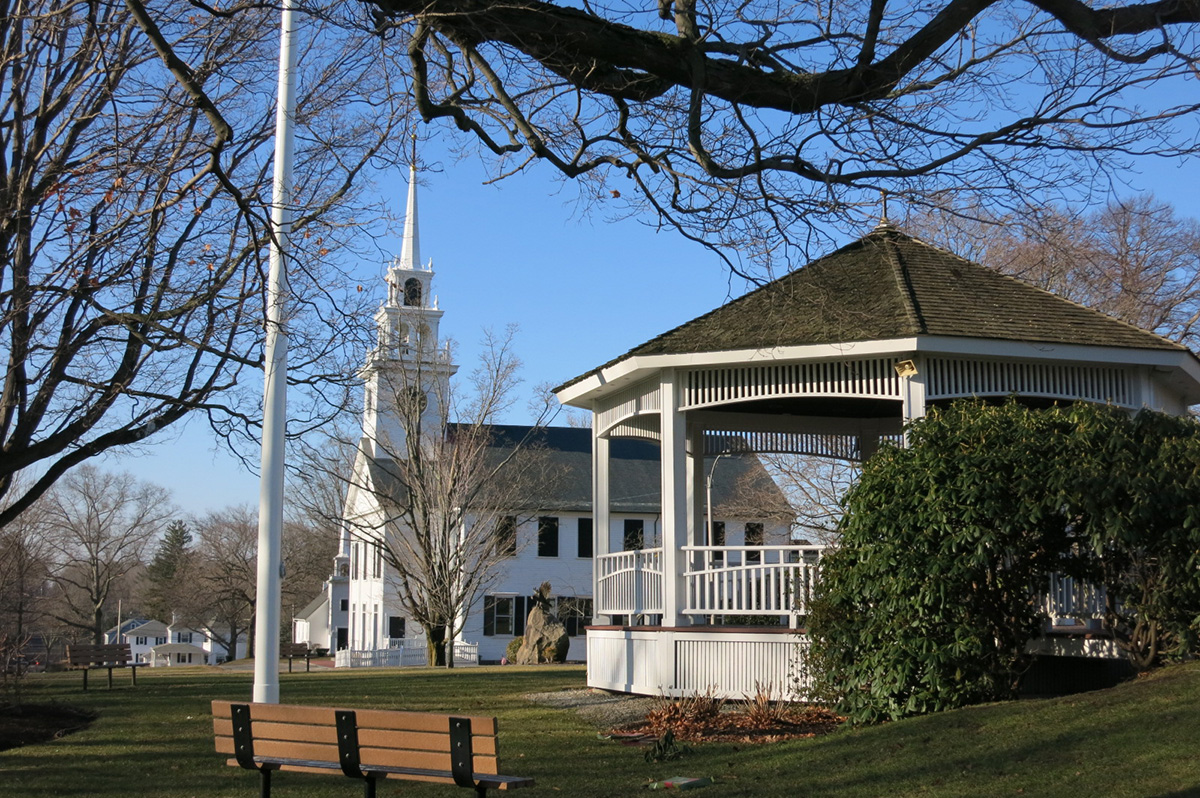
(582, 290)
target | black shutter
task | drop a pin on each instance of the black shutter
(519, 616)
(489, 616)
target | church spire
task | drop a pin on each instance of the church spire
(410, 248)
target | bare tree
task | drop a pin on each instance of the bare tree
(224, 575)
(1135, 259)
(752, 124)
(100, 526)
(446, 498)
(24, 576)
(137, 160)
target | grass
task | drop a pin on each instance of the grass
(1140, 739)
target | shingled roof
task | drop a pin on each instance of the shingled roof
(635, 482)
(889, 285)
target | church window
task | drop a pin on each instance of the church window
(503, 615)
(412, 292)
(585, 538)
(547, 540)
(506, 535)
(754, 537)
(634, 534)
(395, 626)
(575, 613)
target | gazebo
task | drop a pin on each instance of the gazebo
(828, 360)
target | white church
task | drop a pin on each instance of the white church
(359, 615)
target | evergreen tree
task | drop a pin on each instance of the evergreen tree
(164, 572)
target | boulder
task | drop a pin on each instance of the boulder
(546, 638)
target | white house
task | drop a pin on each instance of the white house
(552, 532)
(159, 644)
(828, 361)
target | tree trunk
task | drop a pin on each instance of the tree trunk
(436, 640)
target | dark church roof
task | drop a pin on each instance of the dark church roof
(888, 285)
(635, 482)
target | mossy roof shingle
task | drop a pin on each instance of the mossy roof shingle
(888, 285)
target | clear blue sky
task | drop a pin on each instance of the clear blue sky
(581, 290)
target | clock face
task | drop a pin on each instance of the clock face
(417, 399)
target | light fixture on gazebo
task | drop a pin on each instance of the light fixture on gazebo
(906, 368)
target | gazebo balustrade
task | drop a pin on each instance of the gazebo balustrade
(719, 581)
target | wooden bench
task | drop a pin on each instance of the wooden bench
(367, 744)
(90, 657)
(290, 650)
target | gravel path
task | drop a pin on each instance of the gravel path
(602, 709)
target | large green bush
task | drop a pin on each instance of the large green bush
(929, 600)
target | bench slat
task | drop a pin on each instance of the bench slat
(370, 757)
(367, 738)
(391, 720)
(393, 744)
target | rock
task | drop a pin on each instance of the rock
(546, 638)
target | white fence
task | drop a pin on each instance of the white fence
(1068, 598)
(411, 652)
(751, 580)
(720, 580)
(767, 580)
(630, 583)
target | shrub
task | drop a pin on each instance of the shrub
(514, 645)
(931, 596)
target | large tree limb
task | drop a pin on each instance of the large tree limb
(612, 58)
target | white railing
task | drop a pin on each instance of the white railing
(629, 583)
(412, 652)
(1073, 598)
(765, 581)
(751, 580)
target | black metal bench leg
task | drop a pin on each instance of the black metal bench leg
(481, 791)
(265, 791)
(110, 678)
(369, 787)
(85, 673)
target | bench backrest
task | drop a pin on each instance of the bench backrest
(98, 655)
(385, 737)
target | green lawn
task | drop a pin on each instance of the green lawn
(1140, 739)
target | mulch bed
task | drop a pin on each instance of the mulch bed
(26, 724)
(694, 721)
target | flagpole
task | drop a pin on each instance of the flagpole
(270, 508)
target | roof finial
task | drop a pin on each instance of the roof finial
(884, 222)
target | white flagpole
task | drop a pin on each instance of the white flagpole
(270, 508)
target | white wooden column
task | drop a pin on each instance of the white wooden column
(696, 498)
(912, 392)
(674, 499)
(601, 532)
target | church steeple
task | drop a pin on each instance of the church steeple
(410, 247)
(407, 372)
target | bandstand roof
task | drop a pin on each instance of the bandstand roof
(887, 286)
